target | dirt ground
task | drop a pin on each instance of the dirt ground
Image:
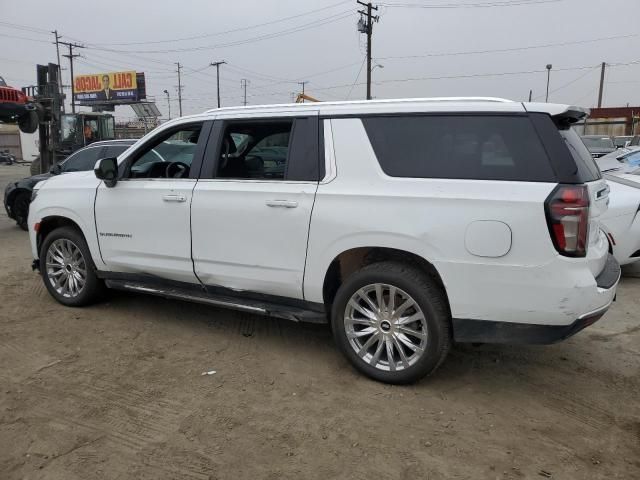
(116, 391)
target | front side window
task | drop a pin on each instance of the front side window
(481, 147)
(168, 156)
(255, 150)
(81, 161)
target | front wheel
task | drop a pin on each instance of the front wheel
(67, 268)
(392, 322)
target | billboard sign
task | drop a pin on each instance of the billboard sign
(112, 87)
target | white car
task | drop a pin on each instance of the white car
(406, 224)
(621, 222)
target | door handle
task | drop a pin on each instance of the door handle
(281, 203)
(174, 198)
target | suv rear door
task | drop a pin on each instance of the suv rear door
(252, 204)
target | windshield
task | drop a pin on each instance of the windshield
(598, 142)
(69, 128)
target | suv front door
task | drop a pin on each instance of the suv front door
(252, 205)
(143, 222)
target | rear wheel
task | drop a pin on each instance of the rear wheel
(21, 209)
(392, 322)
(67, 268)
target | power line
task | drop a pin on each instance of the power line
(512, 49)
(495, 3)
(357, 77)
(208, 35)
(315, 24)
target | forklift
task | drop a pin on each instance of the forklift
(61, 134)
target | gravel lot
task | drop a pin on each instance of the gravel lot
(115, 391)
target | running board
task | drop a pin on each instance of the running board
(287, 312)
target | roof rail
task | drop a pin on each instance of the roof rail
(369, 102)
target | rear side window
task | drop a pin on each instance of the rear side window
(480, 147)
(586, 165)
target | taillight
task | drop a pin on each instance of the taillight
(567, 211)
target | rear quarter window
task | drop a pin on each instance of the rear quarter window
(479, 147)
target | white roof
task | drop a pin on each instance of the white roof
(405, 105)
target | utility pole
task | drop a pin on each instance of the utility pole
(243, 84)
(366, 26)
(604, 66)
(217, 65)
(71, 56)
(303, 84)
(549, 67)
(55, 32)
(530, 95)
(168, 102)
(179, 88)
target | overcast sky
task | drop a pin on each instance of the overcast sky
(276, 43)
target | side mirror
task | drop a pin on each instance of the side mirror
(106, 169)
(56, 169)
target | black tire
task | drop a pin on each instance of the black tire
(20, 209)
(28, 123)
(93, 288)
(424, 291)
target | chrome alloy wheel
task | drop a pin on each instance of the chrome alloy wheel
(66, 268)
(385, 327)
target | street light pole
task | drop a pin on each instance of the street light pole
(549, 67)
(217, 65)
(168, 103)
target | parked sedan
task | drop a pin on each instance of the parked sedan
(17, 195)
(621, 222)
(598, 145)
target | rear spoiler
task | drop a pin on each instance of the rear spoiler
(563, 115)
(571, 115)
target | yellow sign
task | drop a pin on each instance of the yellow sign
(106, 87)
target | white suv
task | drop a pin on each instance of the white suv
(405, 224)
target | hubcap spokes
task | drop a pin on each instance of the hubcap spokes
(66, 268)
(385, 327)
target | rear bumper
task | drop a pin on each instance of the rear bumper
(490, 331)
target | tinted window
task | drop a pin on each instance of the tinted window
(115, 150)
(484, 147)
(82, 160)
(587, 168)
(255, 150)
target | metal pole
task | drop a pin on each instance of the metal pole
(217, 65)
(168, 103)
(604, 65)
(71, 56)
(243, 83)
(549, 67)
(61, 91)
(530, 94)
(179, 89)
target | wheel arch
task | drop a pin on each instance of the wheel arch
(353, 259)
(52, 222)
